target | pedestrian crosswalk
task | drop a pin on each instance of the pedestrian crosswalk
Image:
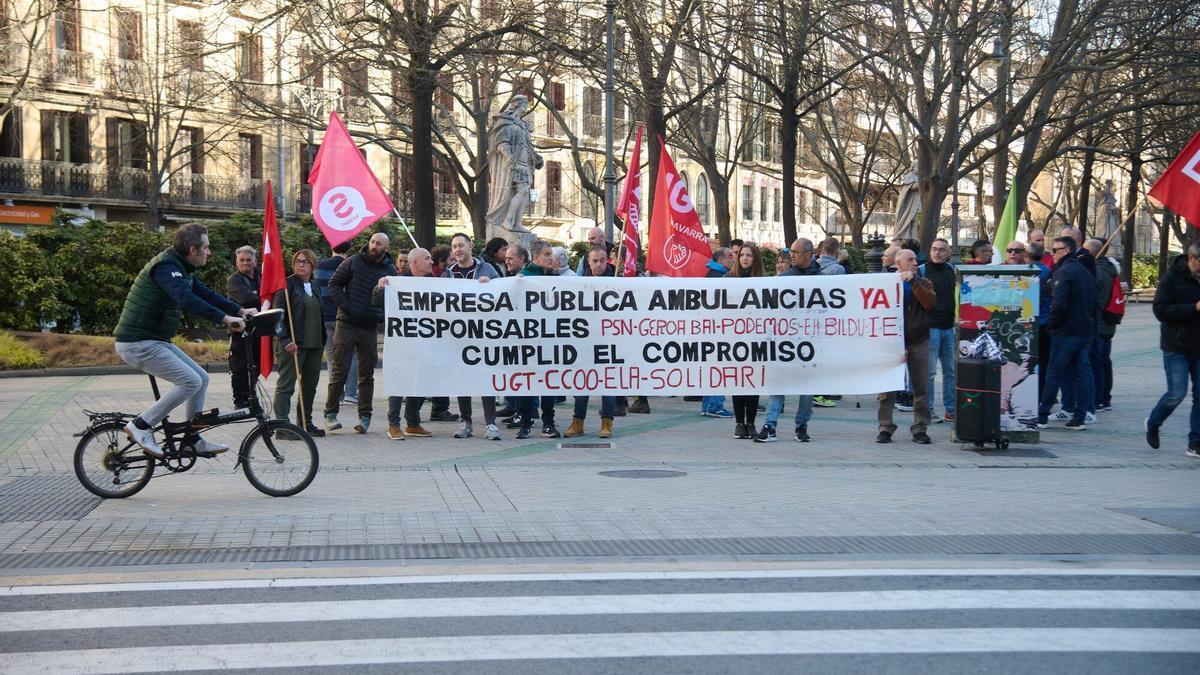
(570, 622)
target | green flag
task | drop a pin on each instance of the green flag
(1008, 223)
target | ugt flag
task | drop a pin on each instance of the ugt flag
(272, 277)
(1179, 187)
(346, 196)
(678, 246)
(630, 208)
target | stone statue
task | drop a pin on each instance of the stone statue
(512, 160)
(1108, 220)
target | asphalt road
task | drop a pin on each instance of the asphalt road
(870, 621)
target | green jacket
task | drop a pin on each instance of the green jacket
(165, 287)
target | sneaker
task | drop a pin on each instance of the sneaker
(315, 432)
(364, 423)
(1061, 416)
(515, 422)
(1076, 425)
(904, 401)
(1089, 418)
(1104, 407)
(751, 432)
(551, 431)
(395, 432)
(523, 433)
(766, 435)
(283, 435)
(145, 439)
(203, 446)
(349, 398)
(465, 431)
(802, 433)
(492, 433)
(739, 431)
(1151, 435)
(884, 437)
(948, 417)
(1193, 451)
(1042, 422)
(331, 423)
(722, 413)
(922, 438)
(443, 416)
(639, 406)
(418, 431)
(822, 402)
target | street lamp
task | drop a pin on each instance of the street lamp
(610, 170)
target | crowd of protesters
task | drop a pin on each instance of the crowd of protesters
(336, 306)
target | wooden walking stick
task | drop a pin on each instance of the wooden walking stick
(287, 301)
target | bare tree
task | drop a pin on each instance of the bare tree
(24, 28)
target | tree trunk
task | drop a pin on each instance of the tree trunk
(421, 88)
(1085, 187)
(1164, 240)
(1128, 235)
(789, 126)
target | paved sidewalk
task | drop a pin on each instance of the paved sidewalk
(1099, 492)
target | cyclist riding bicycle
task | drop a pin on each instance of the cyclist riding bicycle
(163, 289)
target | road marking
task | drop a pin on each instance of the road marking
(601, 645)
(322, 582)
(579, 605)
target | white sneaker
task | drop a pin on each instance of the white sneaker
(1061, 416)
(349, 398)
(492, 433)
(465, 431)
(205, 447)
(1089, 418)
(145, 439)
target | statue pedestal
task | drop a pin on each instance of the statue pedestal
(521, 236)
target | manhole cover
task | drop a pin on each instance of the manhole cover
(642, 473)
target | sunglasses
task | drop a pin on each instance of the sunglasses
(1015, 250)
(1056, 249)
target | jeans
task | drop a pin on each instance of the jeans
(167, 362)
(943, 349)
(918, 378)
(608, 407)
(395, 403)
(351, 388)
(348, 341)
(775, 406)
(1102, 377)
(710, 404)
(1179, 367)
(1070, 360)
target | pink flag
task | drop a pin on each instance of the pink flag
(678, 246)
(346, 196)
(630, 208)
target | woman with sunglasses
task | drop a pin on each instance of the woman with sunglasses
(304, 337)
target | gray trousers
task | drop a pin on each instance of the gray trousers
(361, 342)
(167, 362)
(918, 378)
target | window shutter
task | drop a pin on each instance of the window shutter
(48, 135)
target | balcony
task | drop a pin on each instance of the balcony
(126, 77)
(100, 183)
(447, 206)
(313, 102)
(14, 57)
(216, 192)
(64, 65)
(593, 126)
(252, 96)
(193, 87)
(554, 205)
(358, 110)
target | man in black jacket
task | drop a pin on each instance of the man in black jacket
(1072, 324)
(942, 347)
(242, 286)
(351, 287)
(1177, 307)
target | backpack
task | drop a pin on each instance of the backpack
(1115, 310)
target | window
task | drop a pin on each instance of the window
(191, 45)
(10, 134)
(747, 202)
(777, 204)
(683, 178)
(589, 204)
(193, 158)
(65, 137)
(126, 144)
(354, 78)
(66, 26)
(553, 189)
(489, 9)
(700, 198)
(402, 183)
(128, 27)
(762, 203)
(311, 68)
(250, 57)
(558, 98)
(593, 111)
(802, 206)
(443, 96)
(250, 164)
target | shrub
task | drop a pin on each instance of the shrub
(16, 355)
(29, 286)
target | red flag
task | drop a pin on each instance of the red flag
(630, 208)
(272, 277)
(678, 246)
(346, 196)
(1179, 186)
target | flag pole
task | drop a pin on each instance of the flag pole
(287, 301)
(1121, 225)
(405, 226)
(620, 250)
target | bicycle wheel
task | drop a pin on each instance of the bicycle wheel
(289, 472)
(110, 465)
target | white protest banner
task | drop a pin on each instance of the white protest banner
(660, 336)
